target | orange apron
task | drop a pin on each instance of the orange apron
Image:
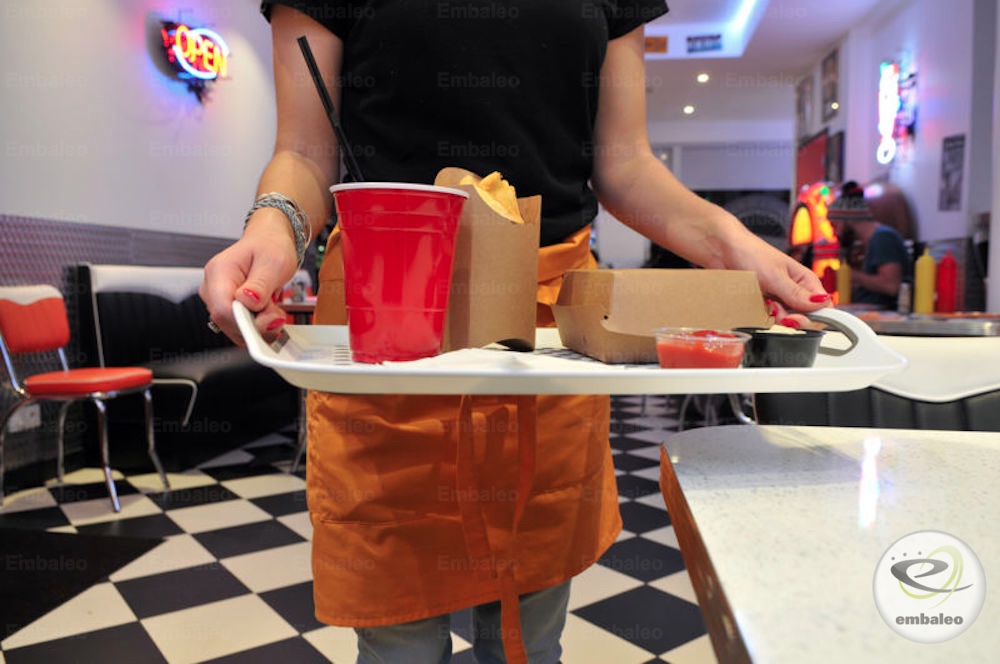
(414, 500)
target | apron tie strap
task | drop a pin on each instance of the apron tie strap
(510, 604)
(474, 523)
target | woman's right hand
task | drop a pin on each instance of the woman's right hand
(252, 271)
(302, 168)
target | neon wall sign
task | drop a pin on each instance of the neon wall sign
(195, 55)
(897, 110)
(888, 107)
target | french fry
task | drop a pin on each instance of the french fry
(499, 194)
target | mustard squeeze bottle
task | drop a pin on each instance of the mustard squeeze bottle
(844, 283)
(924, 270)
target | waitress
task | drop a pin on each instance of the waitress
(551, 94)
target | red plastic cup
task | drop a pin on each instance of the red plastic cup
(399, 246)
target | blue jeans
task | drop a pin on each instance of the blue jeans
(543, 616)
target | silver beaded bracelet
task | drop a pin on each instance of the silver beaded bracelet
(296, 217)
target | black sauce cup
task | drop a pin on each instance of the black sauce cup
(776, 349)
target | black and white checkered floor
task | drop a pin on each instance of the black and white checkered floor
(230, 581)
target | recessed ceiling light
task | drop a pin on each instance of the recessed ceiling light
(702, 77)
(689, 109)
(835, 105)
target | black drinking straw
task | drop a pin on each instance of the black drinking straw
(352, 164)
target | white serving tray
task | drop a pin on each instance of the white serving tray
(318, 357)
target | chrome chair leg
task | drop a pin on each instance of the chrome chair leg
(60, 442)
(151, 440)
(682, 411)
(734, 403)
(102, 430)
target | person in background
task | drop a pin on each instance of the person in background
(885, 263)
(554, 91)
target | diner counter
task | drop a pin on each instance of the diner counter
(942, 369)
(782, 529)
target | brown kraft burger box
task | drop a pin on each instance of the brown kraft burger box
(610, 315)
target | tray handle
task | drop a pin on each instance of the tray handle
(258, 348)
(865, 345)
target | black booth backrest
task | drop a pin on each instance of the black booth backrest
(143, 314)
(872, 407)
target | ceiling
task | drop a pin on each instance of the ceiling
(790, 37)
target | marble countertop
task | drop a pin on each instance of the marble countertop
(783, 527)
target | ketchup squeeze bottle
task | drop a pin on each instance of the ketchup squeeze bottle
(946, 284)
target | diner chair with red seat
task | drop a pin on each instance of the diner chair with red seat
(33, 321)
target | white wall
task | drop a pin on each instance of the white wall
(937, 36)
(93, 132)
(983, 66)
(699, 132)
(993, 287)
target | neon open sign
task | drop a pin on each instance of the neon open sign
(888, 107)
(197, 53)
(897, 110)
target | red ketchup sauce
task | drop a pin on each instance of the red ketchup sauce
(702, 349)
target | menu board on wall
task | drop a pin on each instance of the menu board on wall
(831, 84)
(804, 106)
(952, 167)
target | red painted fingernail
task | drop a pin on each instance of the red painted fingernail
(251, 294)
(819, 298)
(275, 324)
(790, 322)
(774, 311)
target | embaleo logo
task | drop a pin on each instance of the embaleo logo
(929, 586)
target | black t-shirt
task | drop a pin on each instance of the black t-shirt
(505, 85)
